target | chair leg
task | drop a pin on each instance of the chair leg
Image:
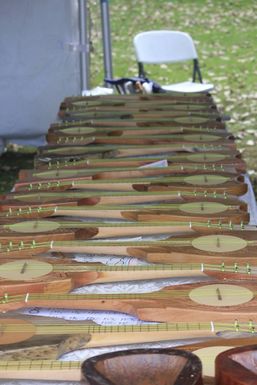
(197, 71)
(141, 71)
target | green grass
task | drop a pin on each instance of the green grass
(10, 163)
(225, 36)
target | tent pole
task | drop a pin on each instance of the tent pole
(84, 51)
(106, 35)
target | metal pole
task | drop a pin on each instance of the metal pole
(84, 46)
(106, 35)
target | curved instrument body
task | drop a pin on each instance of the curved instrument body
(69, 129)
(237, 366)
(40, 341)
(201, 202)
(149, 366)
(209, 160)
(123, 173)
(43, 275)
(170, 97)
(203, 182)
(217, 302)
(142, 139)
(133, 220)
(123, 151)
(230, 247)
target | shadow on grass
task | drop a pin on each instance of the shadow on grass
(10, 164)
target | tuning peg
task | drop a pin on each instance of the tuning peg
(248, 268)
(235, 267)
(251, 326)
(236, 325)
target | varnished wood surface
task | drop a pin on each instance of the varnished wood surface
(150, 366)
(237, 366)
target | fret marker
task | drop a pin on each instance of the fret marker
(210, 295)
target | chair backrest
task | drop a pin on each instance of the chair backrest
(158, 47)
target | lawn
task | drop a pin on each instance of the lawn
(225, 35)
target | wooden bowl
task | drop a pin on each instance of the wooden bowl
(144, 367)
(237, 366)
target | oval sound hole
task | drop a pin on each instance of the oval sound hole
(24, 269)
(205, 180)
(205, 157)
(219, 243)
(201, 138)
(33, 226)
(79, 130)
(221, 295)
(71, 150)
(202, 208)
(59, 174)
(13, 330)
(190, 120)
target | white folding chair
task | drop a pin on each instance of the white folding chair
(157, 47)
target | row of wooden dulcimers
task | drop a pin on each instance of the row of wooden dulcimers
(154, 178)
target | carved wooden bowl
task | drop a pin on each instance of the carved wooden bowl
(144, 367)
(237, 366)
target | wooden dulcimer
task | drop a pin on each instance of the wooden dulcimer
(48, 275)
(83, 129)
(228, 247)
(184, 105)
(214, 302)
(153, 206)
(142, 140)
(202, 214)
(137, 221)
(38, 342)
(135, 113)
(124, 172)
(217, 183)
(71, 230)
(181, 104)
(170, 97)
(123, 151)
(203, 159)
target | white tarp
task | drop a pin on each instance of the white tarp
(38, 68)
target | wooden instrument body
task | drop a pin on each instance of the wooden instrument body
(32, 343)
(232, 246)
(237, 366)
(123, 151)
(171, 304)
(43, 275)
(82, 129)
(234, 163)
(141, 140)
(170, 97)
(123, 173)
(199, 183)
(118, 199)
